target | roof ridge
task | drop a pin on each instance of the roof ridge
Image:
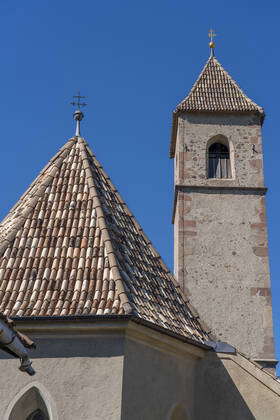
(45, 168)
(8, 236)
(236, 85)
(80, 251)
(149, 243)
(104, 229)
(214, 91)
(194, 86)
(123, 203)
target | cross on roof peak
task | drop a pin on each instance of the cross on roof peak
(212, 35)
(78, 103)
(78, 115)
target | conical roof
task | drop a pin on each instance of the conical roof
(214, 91)
(70, 247)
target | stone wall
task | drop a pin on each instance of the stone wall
(223, 265)
(243, 133)
(221, 250)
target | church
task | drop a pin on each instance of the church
(117, 335)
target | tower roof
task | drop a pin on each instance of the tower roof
(70, 246)
(214, 91)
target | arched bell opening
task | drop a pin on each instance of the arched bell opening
(219, 162)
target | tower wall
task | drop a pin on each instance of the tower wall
(221, 250)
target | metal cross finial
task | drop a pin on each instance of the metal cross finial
(78, 115)
(78, 103)
(212, 35)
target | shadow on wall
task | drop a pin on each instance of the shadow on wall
(223, 119)
(216, 396)
(79, 346)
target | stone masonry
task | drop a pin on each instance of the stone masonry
(221, 251)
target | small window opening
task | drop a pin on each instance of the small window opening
(218, 161)
(37, 415)
(30, 406)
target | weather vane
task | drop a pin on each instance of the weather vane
(212, 35)
(78, 115)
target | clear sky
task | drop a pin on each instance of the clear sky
(134, 60)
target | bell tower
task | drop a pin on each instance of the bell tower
(221, 249)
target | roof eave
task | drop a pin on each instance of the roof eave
(32, 323)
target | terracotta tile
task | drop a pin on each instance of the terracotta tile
(76, 249)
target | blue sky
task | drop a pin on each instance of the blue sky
(134, 61)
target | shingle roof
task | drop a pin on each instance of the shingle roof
(214, 91)
(70, 246)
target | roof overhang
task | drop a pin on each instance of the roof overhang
(126, 325)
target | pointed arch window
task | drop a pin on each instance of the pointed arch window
(219, 161)
(30, 406)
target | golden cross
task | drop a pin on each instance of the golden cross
(211, 34)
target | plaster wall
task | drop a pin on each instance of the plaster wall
(157, 384)
(221, 249)
(81, 377)
(135, 374)
(231, 387)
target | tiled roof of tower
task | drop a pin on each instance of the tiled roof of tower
(70, 246)
(214, 91)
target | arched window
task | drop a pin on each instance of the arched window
(30, 406)
(218, 161)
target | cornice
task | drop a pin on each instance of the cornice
(124, 325)
(215, 189)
